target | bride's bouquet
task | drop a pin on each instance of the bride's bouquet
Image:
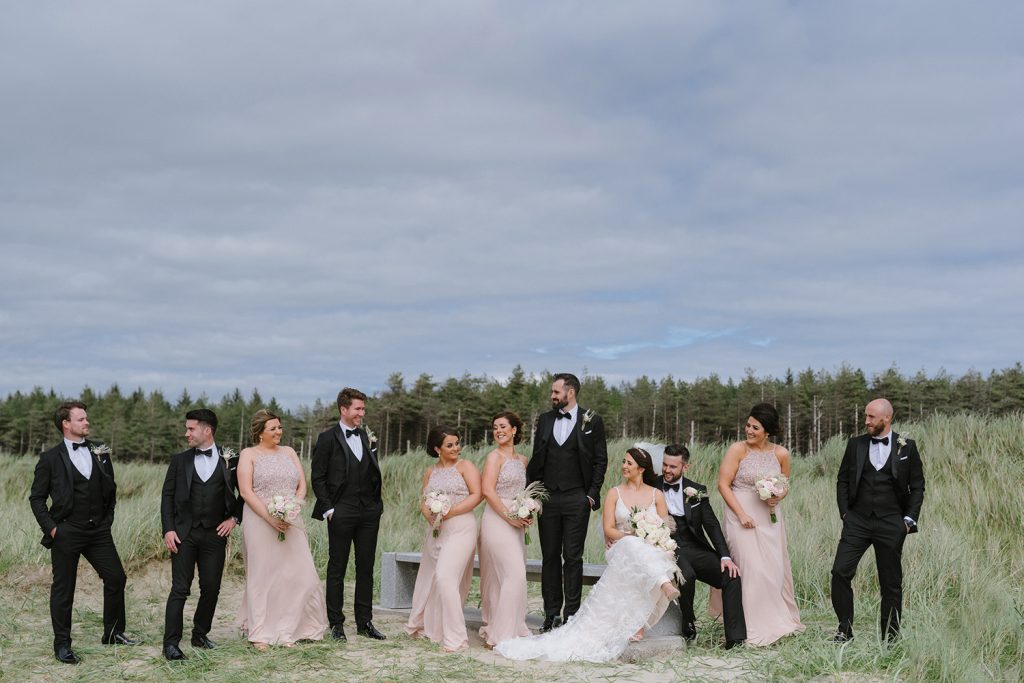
(528, 503)
(439, 505)
(648, 526)
(770, 486)
(286, 508)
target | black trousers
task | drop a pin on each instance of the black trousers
(563, 532)
(697, 563)
(345, 530)
(887, 535)
(96, 545)
(204, 549)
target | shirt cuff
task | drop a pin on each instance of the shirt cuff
(909, 520)
(726, 557)
(328, 513)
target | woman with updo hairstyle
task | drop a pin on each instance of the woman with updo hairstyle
(446, 564)
(502, 539)
(635, 588)
(282, 602)
(757, 543)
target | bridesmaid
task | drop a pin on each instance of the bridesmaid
(502, 544)
(446, 567)
(757, 544)
(282, 602)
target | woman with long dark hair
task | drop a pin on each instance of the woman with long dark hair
(634, 590)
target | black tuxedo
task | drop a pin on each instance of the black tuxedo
(873, 505)
(82, 511)
(352, 488)
(699, 559)
(193, 509)
(571, 472)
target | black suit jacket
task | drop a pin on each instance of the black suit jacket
(175, 508)
(701, 519)
(329, 468)
(53, 480)
(907, 472)
(593, 451)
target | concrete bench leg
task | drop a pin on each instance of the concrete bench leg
(397, 580)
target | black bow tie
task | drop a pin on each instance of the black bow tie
(560, 415)
(884, 441)
(76, 446)
(670, 487)
(350, 432)
(207, 453)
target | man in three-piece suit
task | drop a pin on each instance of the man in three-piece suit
(879, 489)
(77, 476)
(198, 510)
(346, 480)
(695, 556)
(570, 456)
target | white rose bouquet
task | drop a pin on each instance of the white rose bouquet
(439, 505)
(769, 487)
(528, 503)
(286, 508)
(651, 529)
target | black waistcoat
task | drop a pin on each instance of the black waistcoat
(87, 508)
(362, 485)
(207, 500)
(562, 465)
(876, 491)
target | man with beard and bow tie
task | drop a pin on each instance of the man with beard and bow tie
(77, 476)
(688, 503)
(570, 456)
(879, 489)
(346, 480)
(198, 509)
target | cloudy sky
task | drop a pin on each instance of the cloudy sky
(300, 196)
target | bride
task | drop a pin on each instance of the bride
(634, 590)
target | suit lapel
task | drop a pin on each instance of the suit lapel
(339, 434)
(66, 459)
(862, 455)
(190, 469)
(894, 455)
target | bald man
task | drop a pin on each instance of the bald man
(879, 489)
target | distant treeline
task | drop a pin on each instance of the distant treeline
(814, 406)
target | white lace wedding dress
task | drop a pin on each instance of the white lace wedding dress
(628, 597)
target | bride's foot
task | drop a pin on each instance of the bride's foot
(669, 590)
(289, 644)
(262, 647)
(637, 637)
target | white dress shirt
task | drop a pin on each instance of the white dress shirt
(879, 452)
(81, 458)
(207, 465)
(355, 442)
(563, 427)
(674, 500)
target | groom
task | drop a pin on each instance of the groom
(569, 457)
(879, 490)
(346, 481)
(697, 559)
(198, 510)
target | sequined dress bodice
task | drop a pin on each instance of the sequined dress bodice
(511, 478)
(274, 474)
(755, 466)
(449, 481)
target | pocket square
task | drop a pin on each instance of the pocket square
(693, 505)
(590, 432)
(904, 458)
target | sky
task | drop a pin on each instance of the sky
(297, 197)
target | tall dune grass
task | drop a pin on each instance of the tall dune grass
(963, 601)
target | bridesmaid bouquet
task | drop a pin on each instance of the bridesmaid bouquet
(528, 503)
(284, 507)
(651, 528)
(439, 505)
(769, 486)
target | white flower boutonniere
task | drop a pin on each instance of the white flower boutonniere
(371, 437)
(901, 442)
(102, 449)
(227, 454)
(587, 417)
(693, 495)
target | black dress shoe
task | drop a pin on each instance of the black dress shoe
(730, 644)
(368, 630)
(64, 655)
(550, 623)
(203, 642)
(689, 632)
(173, 653)
(338, 633)
(120, 639)
(842, 637)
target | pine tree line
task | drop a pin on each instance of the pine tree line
(814, 405)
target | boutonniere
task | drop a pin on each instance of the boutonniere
(371, 437)
(587, 417)
(900, 443)
(100, 451)
(693, 495)
(227, 454)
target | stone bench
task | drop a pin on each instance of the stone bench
(398, 578)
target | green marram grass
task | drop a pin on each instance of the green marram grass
(963, 600)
